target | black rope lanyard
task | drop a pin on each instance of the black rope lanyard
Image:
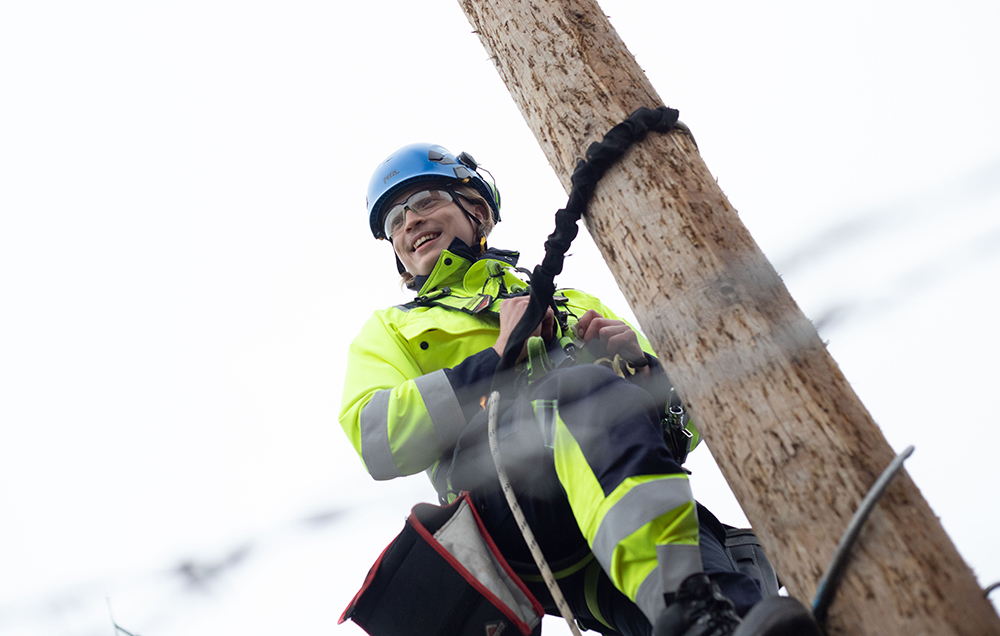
(600, 156)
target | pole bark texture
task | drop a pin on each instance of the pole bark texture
(793, 440)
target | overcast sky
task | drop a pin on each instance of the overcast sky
(184, 259)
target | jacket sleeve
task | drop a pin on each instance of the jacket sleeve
(399, 419)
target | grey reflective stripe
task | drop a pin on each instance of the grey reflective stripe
(649, 597)
(674, 564)
(375, 449)
(442, 406)
(638, 507)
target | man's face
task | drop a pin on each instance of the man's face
(420, 238)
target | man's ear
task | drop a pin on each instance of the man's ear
(481, 211)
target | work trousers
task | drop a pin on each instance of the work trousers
(610, 508)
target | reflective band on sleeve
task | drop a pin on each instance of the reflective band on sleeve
(676, 563)
(643, 503)
(442, 406)
(375, 449)
(649, 598)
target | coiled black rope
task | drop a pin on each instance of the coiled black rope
(600, 156)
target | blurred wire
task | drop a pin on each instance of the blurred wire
(118, 628)
(965, 192)
(928, 274)
(198, 575)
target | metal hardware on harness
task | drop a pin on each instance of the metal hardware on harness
(622, 367)
(675, 432)
(434, 295)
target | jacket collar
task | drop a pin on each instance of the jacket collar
(454, 264)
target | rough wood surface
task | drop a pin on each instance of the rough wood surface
(793, 440)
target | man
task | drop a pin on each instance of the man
(609, 503)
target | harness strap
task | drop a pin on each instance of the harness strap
(481, 303)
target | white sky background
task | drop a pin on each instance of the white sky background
(184, 259)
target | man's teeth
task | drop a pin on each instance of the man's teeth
(423, 239)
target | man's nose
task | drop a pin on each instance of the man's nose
(412, 218)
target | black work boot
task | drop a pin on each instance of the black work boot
(698, 609)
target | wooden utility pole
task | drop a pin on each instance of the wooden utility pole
(794, 442)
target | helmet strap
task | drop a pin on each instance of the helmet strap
(475, 220)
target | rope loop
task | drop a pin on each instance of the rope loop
(599, 157)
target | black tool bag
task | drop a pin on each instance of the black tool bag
(443, 576)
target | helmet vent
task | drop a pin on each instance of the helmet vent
(466, 160)
(438, 157)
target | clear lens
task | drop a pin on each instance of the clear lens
(422, 203)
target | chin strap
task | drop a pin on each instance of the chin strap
(475, 220)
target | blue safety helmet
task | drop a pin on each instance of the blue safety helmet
(423, 162)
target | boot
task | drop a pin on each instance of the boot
(698, 609)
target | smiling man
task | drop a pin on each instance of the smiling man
(604, 493)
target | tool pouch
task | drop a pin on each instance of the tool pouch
(443, 576)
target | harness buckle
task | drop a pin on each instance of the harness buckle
(434, 295)
(675, 432)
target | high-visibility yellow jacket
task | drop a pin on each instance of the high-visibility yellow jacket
(417, 372)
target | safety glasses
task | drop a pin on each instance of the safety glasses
(423, 203)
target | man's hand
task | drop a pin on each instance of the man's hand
(605, 337)
(511, 311)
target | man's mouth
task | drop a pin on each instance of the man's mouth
(423, 239)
